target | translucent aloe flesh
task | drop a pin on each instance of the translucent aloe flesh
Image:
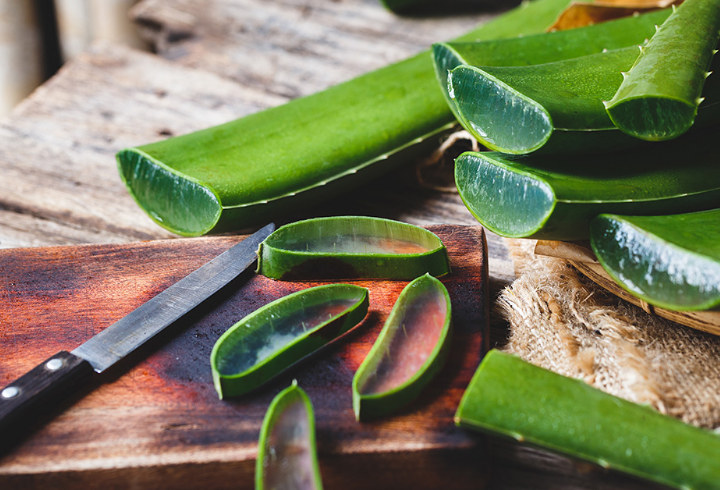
(555, 197)
(670, 261)
(240, 173)
(277, 335)
(511, 397)
(542, 48)
(659, 97)
(287, 454)
(408, 352)
(346, 247)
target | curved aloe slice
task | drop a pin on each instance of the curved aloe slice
(287, 456)
(542, 48)
(512, 397)
(556, 197)
(276, 336)
(409, 351)
(240, 173)
(351, 247)
(659, 97)
(669, 261)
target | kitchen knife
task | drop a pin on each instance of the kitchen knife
(54, 379)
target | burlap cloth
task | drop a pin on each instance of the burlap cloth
(563, 322)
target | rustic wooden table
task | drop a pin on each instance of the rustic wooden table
(217, 60)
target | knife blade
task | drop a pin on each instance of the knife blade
(58, 376)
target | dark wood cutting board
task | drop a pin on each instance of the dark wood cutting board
(156, 421)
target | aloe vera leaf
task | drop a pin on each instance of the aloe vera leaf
(671, 261)
(345, 247)
(555, 197)
(287, 454)
(409, 351)
(240, 173)
(511, 397)
(659, 97)
(542, 48)
(274, 337)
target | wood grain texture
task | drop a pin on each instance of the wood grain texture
(156, 420)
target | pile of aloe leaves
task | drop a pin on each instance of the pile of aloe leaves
(604, 133)
(615, 118)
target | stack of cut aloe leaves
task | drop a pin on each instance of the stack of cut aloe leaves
(601, 132)
(604, 133)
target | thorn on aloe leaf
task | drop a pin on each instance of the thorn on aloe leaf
(708, 73)
(699, 100)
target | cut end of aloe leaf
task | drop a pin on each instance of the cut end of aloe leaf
(287, 456)
(669, 261)
(276, 336)
(500, 117)
(408, 353)
(175, 202)
(652, 118)
(344, 247)
(509, 203)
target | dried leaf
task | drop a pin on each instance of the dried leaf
(580, 14)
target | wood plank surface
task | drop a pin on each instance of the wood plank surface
(157, 419)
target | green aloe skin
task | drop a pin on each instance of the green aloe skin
(409, 351)
(530, 50)
(274, 337)
(287, 454)
(659, 97)
(670, 261)
(511, 397)
(241, 173)
(345, 247)
(555, 197)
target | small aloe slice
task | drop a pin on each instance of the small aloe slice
(231, 176)
(287, 456)
(409, 351)
(347, 247)
(555, 197)
(659, 97)
(514, 398)
(281, 333)
(669, 261)
(542, 48)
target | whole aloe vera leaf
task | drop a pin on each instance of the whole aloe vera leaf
(274, 337)
(287, 454)
(239, 173)
(409, 351)
(659, 97)
(555, 197)
(517, 109)
(512, 397)
(542, 48)
(345, 247)
(670, 261)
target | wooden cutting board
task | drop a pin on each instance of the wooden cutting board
(156, 421)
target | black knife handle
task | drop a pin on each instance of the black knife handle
(41, 389)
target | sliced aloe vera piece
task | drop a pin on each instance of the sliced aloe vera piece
(670, 261)
(279, 334)
(287, 454)
(345, 247)
(240, 173)
(409, 351)
(659, 97)
(542, 48)
(555, 197)
(512, 397)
